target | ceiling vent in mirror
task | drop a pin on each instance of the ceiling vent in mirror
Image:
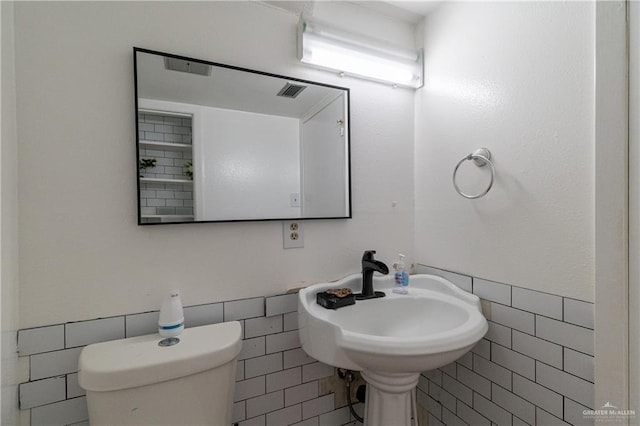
(184, 65)
(291, 90)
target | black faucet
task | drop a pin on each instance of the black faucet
(369, 266)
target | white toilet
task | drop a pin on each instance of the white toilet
(137, 382)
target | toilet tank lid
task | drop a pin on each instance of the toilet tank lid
(139, 361)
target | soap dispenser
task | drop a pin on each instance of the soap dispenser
(171, 320)
(401, 277)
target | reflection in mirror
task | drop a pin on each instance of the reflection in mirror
(222, 143)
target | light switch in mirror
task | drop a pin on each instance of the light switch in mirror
(219, 143)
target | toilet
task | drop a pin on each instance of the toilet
(136, 381)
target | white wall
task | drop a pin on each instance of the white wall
(324, 156)
(8, 224)
(250, 165)
(517, 78)
(82, 254)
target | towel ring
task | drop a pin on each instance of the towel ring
(481, 157)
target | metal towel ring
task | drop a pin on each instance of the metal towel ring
(481, 157)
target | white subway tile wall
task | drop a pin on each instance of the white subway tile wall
(282, 341)
(282, 304)
(42, 392)
(243, 309)
(49, 364)
(195, 316)
(43, 339)
(462, 281)
(495, 292)
(86, 332)
(535, 366)
(66, 412)
(263, 365)
(284, 379)
(578, 312)
(277, 383)
(73, 388)
(545, 304)
(141, 324)
(262, 326)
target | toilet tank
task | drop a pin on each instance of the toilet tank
(135, 381)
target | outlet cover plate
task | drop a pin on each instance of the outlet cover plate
(292, 234)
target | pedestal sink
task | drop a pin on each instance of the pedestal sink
(392, 339)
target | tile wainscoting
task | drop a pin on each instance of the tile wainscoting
(535, 365)
(277, 383)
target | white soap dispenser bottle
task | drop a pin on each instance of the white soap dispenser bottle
(171, 320)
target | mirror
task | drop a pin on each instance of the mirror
(219, 143)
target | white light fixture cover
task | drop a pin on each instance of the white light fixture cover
(323, 46)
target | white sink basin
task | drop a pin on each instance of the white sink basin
(392, 339)
(433, 325)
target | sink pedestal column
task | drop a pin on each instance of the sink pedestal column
(389, 399)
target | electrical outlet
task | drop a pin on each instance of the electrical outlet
(292, 234)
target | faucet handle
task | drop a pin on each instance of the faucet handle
(368, 255)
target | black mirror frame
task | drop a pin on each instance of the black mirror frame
(232, 67)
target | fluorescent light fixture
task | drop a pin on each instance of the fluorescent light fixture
(322, 46)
